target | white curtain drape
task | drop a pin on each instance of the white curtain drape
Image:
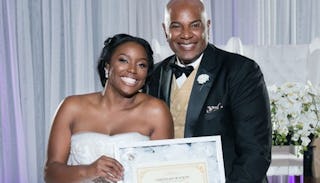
(49, 50)
(266, 22)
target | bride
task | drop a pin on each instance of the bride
(85, 127)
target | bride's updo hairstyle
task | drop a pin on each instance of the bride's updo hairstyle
(112, 43)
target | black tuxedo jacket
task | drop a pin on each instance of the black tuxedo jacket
(233, 103)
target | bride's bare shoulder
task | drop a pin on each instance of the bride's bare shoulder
(153, 104)
(79, 101)
(158, 115)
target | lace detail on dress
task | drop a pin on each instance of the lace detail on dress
(87, 147)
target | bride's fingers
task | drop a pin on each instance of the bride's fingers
(102, 180)
(110, 162)
(110, 174)
(112, 168)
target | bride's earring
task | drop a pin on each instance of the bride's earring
(106, 73)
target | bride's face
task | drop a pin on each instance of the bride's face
(128, 69)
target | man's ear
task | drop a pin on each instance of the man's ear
(164, 29)
(208, 28)
(208, 24)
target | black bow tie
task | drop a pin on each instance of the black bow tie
(177, 70)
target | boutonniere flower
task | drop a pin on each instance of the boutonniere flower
(203, 78)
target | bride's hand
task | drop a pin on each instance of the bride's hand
(108, 168)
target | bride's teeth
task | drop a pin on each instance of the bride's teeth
(129, 80)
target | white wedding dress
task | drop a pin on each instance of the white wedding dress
(86, 147)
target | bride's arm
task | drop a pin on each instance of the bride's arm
(56, 168)
(59, 172)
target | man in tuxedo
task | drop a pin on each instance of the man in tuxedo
(214, 93)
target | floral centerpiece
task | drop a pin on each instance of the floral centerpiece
(294, 113)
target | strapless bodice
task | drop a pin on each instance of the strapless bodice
(86, 147)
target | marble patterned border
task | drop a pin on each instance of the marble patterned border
(173, 150)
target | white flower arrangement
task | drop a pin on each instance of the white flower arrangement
(203, 78)
(294, 113)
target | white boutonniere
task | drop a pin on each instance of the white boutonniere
(203, 78)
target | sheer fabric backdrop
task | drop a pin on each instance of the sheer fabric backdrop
(49, 50)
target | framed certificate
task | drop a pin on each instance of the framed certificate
(185, 160)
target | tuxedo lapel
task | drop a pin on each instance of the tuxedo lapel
(208, 66)
(166, 79)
